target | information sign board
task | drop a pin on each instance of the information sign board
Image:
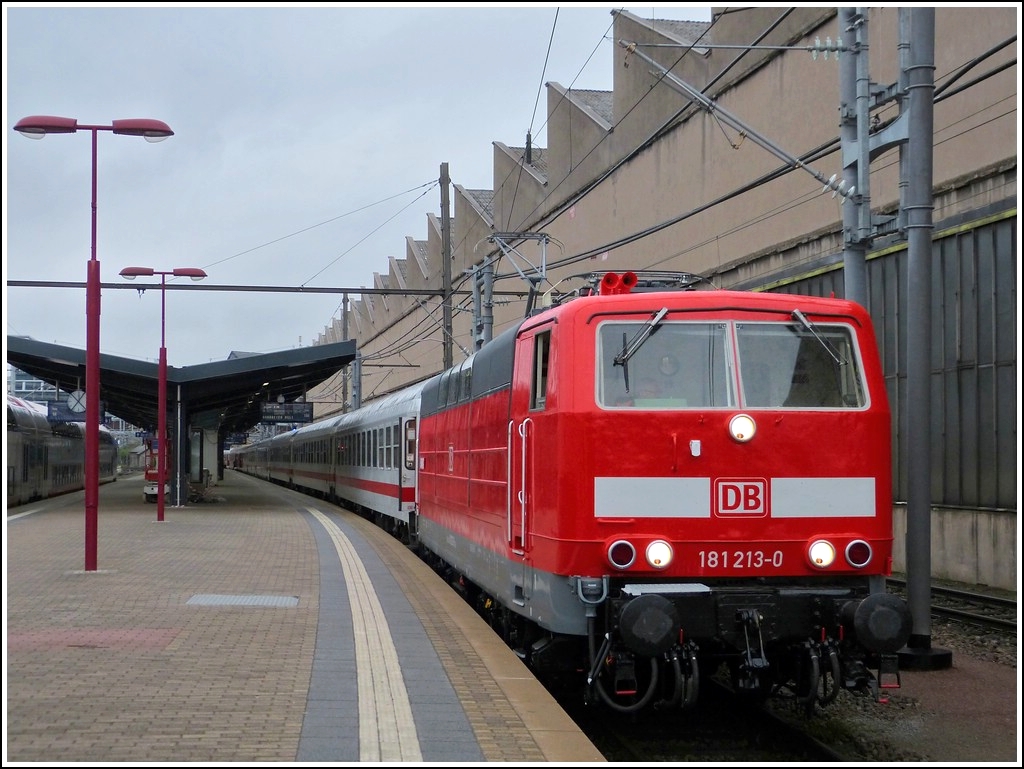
(277, 413)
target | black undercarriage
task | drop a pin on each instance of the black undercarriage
(646, 648)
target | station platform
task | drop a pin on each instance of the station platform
(260, 625)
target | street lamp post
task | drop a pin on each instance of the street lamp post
(36, 127)
(131, 273)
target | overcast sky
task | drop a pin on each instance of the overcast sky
(308, 144)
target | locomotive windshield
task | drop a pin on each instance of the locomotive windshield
(702, 365)
(683, 365)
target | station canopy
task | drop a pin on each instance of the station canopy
(225, 395)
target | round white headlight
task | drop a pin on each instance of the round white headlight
(821, 554)
(659, 554)
(742, 428)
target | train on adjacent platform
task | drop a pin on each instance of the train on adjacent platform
(640, 487)
(45, 459)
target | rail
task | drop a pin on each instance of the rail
(978, 608)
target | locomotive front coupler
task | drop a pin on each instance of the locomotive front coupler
(754, 660)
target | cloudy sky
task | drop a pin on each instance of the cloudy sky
(308, 141)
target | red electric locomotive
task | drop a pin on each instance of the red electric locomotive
(640, 486)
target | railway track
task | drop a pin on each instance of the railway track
(724, 729)
(984, 610)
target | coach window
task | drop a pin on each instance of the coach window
(539, 386)
(388, 444)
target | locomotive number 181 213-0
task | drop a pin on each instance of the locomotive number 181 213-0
(739, 559)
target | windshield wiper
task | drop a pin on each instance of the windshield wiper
(629, 350)
(829, 347)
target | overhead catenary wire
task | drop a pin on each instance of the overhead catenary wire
(431, 183)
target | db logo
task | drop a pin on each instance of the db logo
(741, 496)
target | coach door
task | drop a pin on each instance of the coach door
(405, 458)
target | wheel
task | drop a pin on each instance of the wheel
(150, 497)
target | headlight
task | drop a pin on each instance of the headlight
(659, 554)
(821, 554)
(742, 428)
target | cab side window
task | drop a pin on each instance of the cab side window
(539, 383)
